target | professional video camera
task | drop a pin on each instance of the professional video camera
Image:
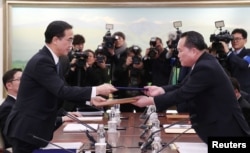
(81, 58)
(108, 39)
(217, 38)
(137, 51)
(174, 38)
(152, 50)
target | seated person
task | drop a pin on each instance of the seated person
(244, 104)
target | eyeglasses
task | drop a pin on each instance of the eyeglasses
(237, 39)
(18, 79)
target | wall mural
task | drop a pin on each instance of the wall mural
(28, 23)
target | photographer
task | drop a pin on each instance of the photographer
(130, 73)
(157, 66)
(92, 74)
(238, 59)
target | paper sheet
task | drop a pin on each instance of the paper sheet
(66, 145)
(189, 147)
(75, 127)
(90, 118)
(178, 128)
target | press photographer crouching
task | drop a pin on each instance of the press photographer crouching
(130, 73)
(157, 67)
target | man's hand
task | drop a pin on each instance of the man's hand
(153, 91)
(142, 101)
(98, 99)
(105, 89)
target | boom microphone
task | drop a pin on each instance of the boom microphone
(48, 142)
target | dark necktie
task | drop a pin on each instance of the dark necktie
(58, 68)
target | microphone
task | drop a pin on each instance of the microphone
(144, 114)
(90, 137)
(78, 121)
(151, 116)
(174, 139)
(150, 139)
(48, 142)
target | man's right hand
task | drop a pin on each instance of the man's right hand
(105, 89)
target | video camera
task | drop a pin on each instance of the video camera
(108, 39)
(137, 51)
(223, 35)
(216, 38)
(152, 50)
(174, 38)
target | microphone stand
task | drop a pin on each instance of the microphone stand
(174, 139)
(90, 137)
(150, 138)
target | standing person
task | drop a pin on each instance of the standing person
(42, 88)
(213, 107)
(11, 81)
(238, 66)
(157, 67)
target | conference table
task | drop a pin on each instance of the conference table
(125, 141)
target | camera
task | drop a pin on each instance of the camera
(81, 58)
(224, 36)
(108, 39)
(136, 59)
(152, 50)
(173, 38)
(216, 46)
(100, 54)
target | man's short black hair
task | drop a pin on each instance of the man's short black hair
(9, 75)
(241, 31)
(56, 28)
(194, 39)
(78, 39)
(120, 34)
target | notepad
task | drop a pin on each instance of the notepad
(178, 128)
(75, 127)
(90, 118)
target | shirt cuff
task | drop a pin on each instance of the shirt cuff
(93, 93)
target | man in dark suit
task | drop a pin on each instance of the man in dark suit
(11, 81)
(238, 66)
(41, 89)
(213, 106)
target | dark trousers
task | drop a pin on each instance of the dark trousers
(19, 146)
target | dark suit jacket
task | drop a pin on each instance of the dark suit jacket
(40, 91)
(213, 107)
(239, 69)
(5, 109)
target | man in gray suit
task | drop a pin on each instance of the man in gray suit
(213, 106)
(42, 88)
